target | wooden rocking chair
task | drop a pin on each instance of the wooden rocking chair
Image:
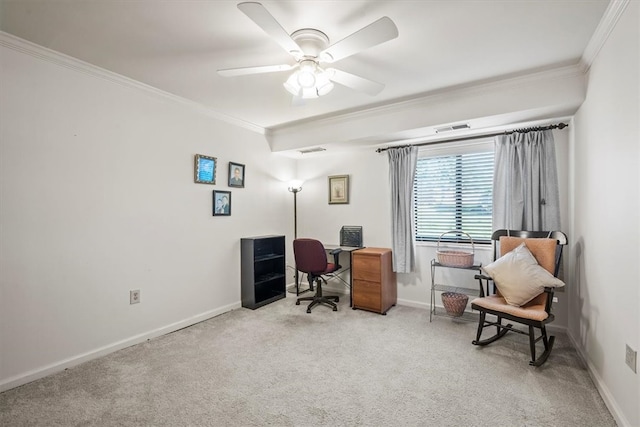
(546, 248)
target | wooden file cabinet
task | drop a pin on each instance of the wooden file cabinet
(374, 282)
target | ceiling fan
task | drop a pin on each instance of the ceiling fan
(310, 48)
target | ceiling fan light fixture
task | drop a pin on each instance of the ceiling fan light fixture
(325, 89)
(292, 86)
(306, 79)
(323, 84)
(309, 81)
(307, 73)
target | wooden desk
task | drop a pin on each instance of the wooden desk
(349, 250)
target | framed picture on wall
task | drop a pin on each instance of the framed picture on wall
(221, 203)
(338, 189)
(204, 170)
(236, 175)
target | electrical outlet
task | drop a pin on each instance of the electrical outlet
(631, 357)
(134, 296)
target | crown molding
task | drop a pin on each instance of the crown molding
(602, 32)
(49, 55)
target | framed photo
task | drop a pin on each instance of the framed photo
(236, 175)
(204, 169)
(338, 189)
(221, 203)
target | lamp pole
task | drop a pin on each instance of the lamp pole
(295, 187)
(295, 214)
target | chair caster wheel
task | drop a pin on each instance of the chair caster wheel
(335, 308)
(308, 311)
(297, 302)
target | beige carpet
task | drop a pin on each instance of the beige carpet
(280, 366)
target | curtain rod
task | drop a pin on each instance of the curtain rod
(486, 135)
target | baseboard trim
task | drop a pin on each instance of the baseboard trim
(414, 304)
(53, 368)
(422, 305)
(602, 388)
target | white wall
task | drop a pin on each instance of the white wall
(370, 207)
(605, 290)
(97, 198)
(369, 203)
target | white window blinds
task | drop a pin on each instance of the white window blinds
(454, 192)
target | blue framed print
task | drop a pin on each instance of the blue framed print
(205, 169)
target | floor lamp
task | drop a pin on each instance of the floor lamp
(295, 187)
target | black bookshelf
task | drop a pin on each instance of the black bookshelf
(262, 270)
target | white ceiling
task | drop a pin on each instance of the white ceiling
(177, 46)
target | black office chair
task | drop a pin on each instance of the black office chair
(311, 258)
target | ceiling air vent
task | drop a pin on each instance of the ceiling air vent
(312, 150)
(452, 128)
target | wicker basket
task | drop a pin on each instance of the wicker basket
(454, 303)
(449, 258)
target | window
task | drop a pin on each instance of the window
(454, 191)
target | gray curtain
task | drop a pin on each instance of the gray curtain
(525, 182)
(402, 170)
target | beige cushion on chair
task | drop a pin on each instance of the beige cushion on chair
(518, 276)
(533, 310)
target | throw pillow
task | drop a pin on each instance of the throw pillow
(543, 250)
(519, 277)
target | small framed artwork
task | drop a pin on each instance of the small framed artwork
(338, 189)
(236, 175)
(221, 203)
(205, 169)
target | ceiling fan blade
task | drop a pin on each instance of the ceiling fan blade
(373, 34)
(261, 16)
(355, 82)
(232, 72)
